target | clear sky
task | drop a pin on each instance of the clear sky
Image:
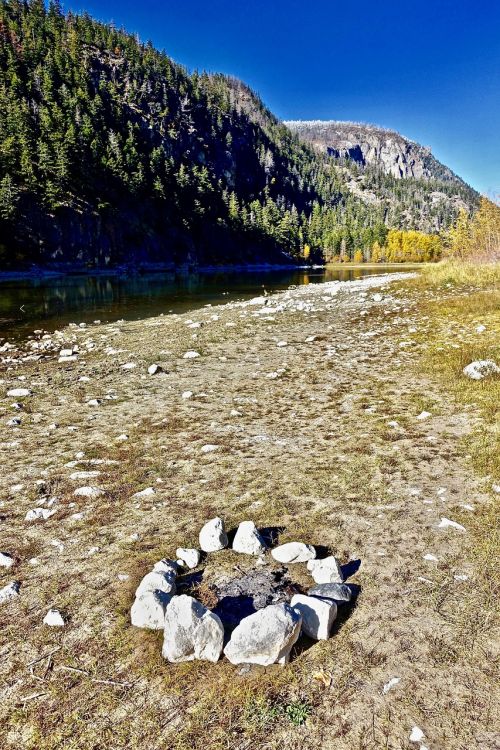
(429, 69)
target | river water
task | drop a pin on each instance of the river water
(49, 303)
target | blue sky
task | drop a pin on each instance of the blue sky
(430, 69)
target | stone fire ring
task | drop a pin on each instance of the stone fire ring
(259, 615)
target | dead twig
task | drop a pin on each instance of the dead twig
(94, 679)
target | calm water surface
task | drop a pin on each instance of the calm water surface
(50, 303)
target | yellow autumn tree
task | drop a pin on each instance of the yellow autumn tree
(306, 252)
(358, 256)
(476, 237)
(377, 253)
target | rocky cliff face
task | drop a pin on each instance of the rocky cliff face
(369, 145)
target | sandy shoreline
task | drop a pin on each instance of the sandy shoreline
(313, 402)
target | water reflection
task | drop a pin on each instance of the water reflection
(52, 302)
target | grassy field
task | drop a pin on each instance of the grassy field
(324, 438)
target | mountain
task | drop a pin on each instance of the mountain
(111, 153)
(377, 147)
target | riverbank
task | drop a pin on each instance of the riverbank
(334, 411)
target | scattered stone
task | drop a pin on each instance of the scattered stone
(326, 570)
(446, 523)
(88, 492)
(19, 393)
(424, 415)
(431, 558)
(338, 592)
(191, 355)
(213, 536)
(189, 557)
(318, 615)
(6, 560)
(148, 610)
(416, 734)
(265, 637)
(9, 592)
(191, 632)
(154, 369)
(76, 475)
(129, 365)
(94, 402)
(377, 297)
(389, 685)
(293, 552)
(54, 619)
(122, 437)
(39, 514)
(248, 540)
(481, 368)
(209, 448)
(144, 493)
(480, 328)
(187, 394)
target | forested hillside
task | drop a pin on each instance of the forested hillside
(112, 153)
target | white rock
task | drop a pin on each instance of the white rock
(377, 297)
(144, 493)
(39, 514)
(19, 392)
(247, 539)
(326, 570)
(129, 365)
(9, 592)
(480, 328)
(6, 560)
(148, 610)
(88, 492)
(431, 558)
(191, 632)
(166, 566)
(282, 343)
(154, 369)
(54, 619)
(94, 402)
(293, 552)
(122, 437)
(446, 523)
(265, 637)
(187, 394)
(66, 352)
(84, 475)
(70, 358)
(481, 368)
(189, 557)
(424, 415)
(389, 685)
(191, 355)
(318, 615)
(156, 581)
(213, 536)
(209, 448)
(416, 734)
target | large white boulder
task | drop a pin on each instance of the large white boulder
(166, 566)
(481, 368)
(247, 539)
(191, 631)
(190, 557)
(265, 637)
(339, 592)
(318, 615)
(326, 570)
(148, 610)
(213, 536)
(294, 552)
(157, 581)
